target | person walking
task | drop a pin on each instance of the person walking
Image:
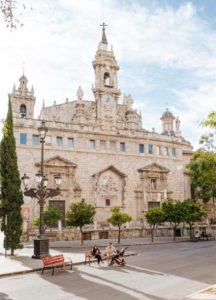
(110, 251)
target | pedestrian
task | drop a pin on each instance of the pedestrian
(110, 251)
(97, 254)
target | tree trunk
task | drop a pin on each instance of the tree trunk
(190, 228)
(174, 233)
(81, 235)
(152, 236)
(119, 234)
(12, 252)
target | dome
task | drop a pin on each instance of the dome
(167, 113)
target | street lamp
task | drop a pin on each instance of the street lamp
(41, 243)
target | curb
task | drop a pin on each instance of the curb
(122, 245)
(40, 269)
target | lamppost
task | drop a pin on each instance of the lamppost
(41, 243)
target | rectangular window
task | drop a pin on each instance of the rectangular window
(122, 147)
(113, 146)
(107, 202)
(158, 150)
(59, 141)
(23, 138)
(35, 139)
(92, 144)
(70, 142)
(103, 145)
(174, 152)
(141, 148)
(166, 151)
(150, 149)
(152, 204)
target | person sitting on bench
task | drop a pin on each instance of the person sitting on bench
(96, 253)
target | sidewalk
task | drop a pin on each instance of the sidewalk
(23, 263)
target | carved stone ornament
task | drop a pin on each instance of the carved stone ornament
(80, 93)
(108, 183)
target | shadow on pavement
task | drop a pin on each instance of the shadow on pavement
(93, 287)
(4, 297)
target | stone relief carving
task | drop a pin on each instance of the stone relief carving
(108, 183)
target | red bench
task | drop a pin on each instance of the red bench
(50, 262)
(89, 256)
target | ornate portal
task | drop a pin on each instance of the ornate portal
(109, 187)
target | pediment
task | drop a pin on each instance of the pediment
(110, 168)
(154, 167)
(57, 161)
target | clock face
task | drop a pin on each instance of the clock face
(107, 99)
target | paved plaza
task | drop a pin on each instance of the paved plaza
(164, 271)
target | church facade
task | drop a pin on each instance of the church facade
(100, 148)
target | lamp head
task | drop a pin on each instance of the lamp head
(42, 130)
(58, 180)
(25, 180)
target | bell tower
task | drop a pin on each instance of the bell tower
(106, 88)
(23, 100)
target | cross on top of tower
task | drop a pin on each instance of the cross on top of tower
(103, 25)
(104, 39)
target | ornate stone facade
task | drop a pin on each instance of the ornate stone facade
(101, 149)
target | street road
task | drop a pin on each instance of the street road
(158, 272)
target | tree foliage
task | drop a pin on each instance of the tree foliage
(12, 198)
(118, 219)
(192, 212)
(9, 9)
(154, 216)
(80, 214)
(208, 140)
(173, 213)
(51, 216)
(202, 169)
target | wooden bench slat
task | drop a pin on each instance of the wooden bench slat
(88, 255)
(55, 261)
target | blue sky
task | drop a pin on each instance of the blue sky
(166, 51)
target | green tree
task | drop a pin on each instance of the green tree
(208, 140)
(80, 214)
(192, 212)
(118, 219)
(9, 9)
(202, 169)
(173, 213)
(12, 197)
(154, 216)
(51, 217)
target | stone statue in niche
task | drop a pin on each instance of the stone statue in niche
(153, 183)
(80, 93)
